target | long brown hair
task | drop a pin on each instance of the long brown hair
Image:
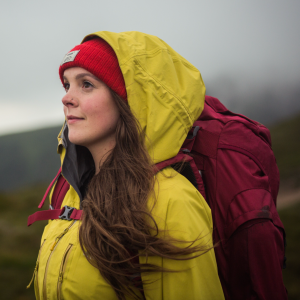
(116, 222)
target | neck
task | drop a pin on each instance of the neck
(100, 152)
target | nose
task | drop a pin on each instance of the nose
(68, 100)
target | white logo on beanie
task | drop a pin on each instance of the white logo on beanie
(69, 57)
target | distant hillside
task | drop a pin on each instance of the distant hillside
(286, 146)
(28, 158)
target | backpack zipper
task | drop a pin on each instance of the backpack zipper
(35, 272)
(57, 240)
(62, 270)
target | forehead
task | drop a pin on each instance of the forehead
(75, 71)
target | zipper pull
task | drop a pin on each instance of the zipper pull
(55, 242)
(58, 238)
(33, 275)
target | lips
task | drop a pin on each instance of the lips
(72, 119)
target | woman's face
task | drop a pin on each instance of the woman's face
(90, 110)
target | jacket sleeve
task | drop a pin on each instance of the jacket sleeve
(187, 218)
(255, 262)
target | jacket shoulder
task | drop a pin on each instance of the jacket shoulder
(180, 205)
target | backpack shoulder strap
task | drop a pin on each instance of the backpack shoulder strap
(49, 188)
(61, 188)
(190, 171)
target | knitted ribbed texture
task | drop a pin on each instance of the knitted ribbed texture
(98, 57)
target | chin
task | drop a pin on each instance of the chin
(76, 139)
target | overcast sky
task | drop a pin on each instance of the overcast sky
(249, 41)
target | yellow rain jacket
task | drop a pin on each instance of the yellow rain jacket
(166, 93)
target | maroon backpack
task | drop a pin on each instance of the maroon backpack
(241, 179)
(229, 159)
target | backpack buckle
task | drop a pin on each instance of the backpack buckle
(66, 213)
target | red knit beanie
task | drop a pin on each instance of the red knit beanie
(97, 57)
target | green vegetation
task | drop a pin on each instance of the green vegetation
(19, 244)
(286, 146)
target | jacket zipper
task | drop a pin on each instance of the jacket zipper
(35, 272)
(48, 261)
(62, 270)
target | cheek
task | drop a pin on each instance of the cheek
(89, 108)
(104, 114)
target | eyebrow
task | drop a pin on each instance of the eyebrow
(79, 76)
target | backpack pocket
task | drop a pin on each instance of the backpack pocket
(62, 270)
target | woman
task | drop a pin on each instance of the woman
(130, 102)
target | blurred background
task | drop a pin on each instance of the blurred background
(247, 53)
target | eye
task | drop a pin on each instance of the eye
(66, 86)
(87, 85)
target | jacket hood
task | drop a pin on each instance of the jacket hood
(164, 91)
